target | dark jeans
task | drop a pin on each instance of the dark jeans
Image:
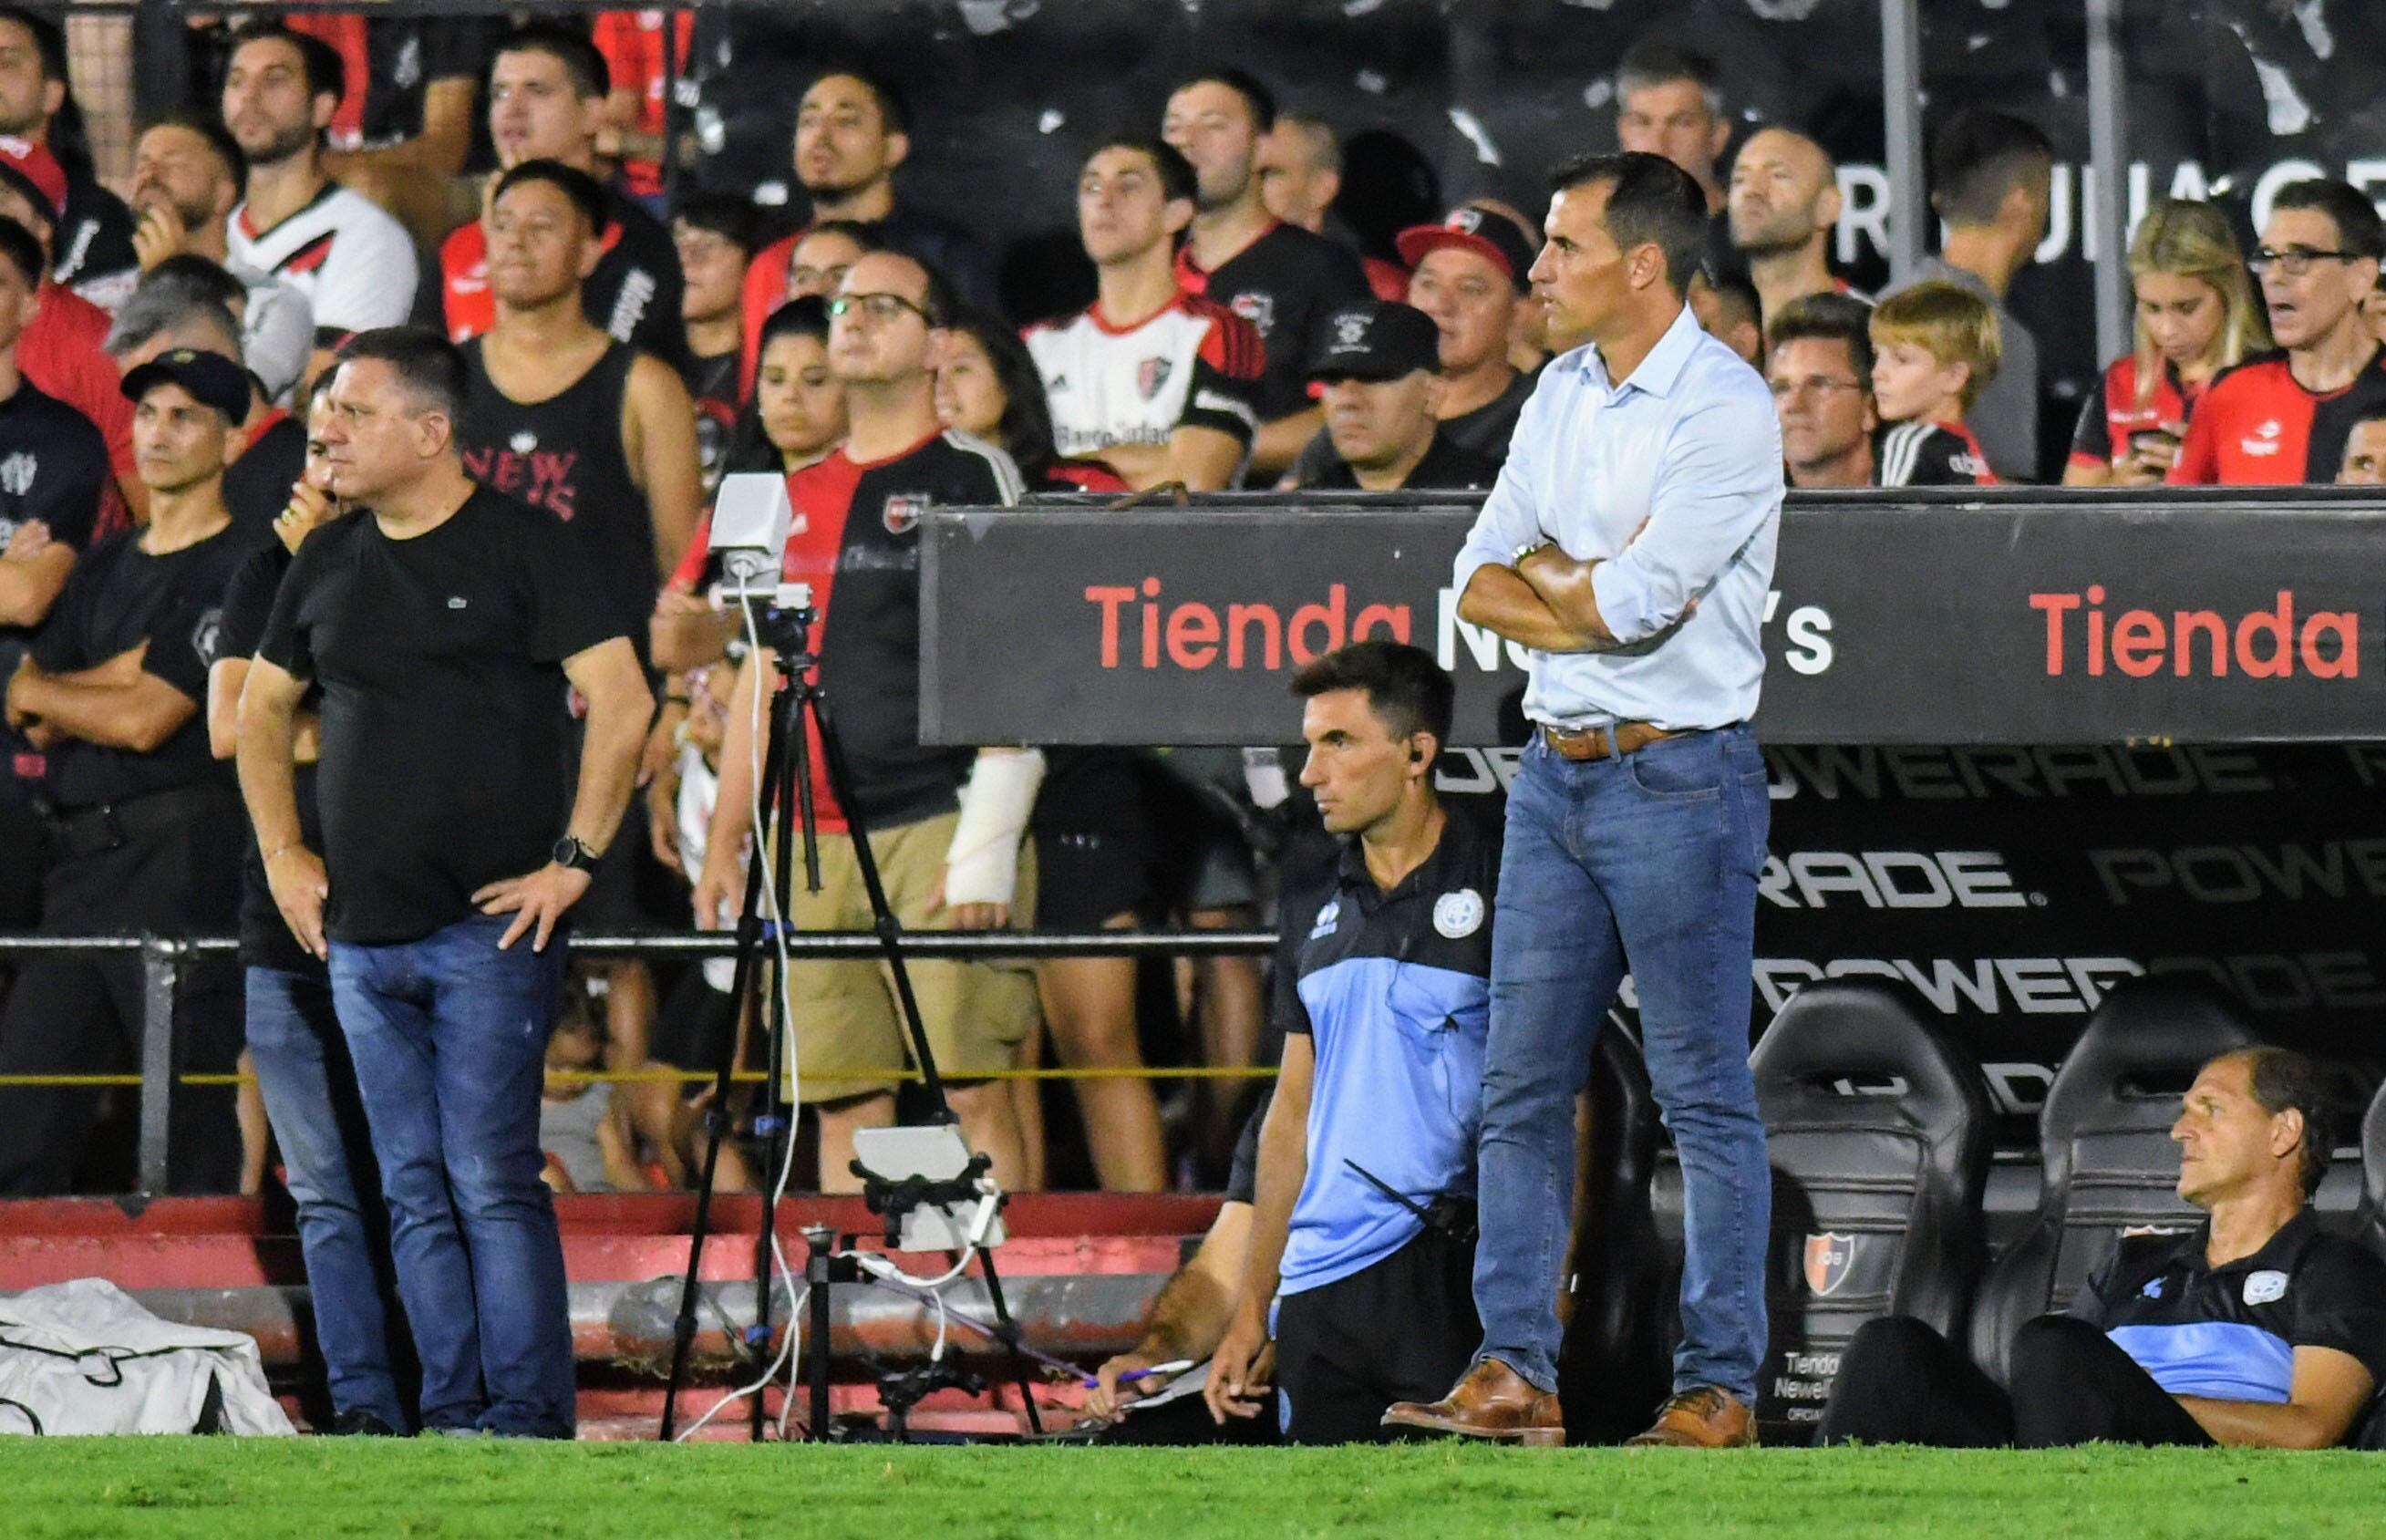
(449, 1036)
(1902, 1383)
(1648, 861)
(1398, 1330)
(319, 1119)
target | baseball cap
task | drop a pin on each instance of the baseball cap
(1374, 339)
(212, 379)
(34, 172)
(1487, 231)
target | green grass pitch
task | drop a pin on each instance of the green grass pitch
(252, 1489)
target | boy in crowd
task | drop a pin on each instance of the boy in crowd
(1935, 350)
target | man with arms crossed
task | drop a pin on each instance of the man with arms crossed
(443, 622)
(1628, 545)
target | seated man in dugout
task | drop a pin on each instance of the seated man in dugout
(2256, 1329)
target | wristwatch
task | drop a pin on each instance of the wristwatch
(569, 851)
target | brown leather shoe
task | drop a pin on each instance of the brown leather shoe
(1490, 1401)
(1699, 1417)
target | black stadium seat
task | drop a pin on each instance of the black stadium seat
(2370, 1228)
(1879, 1125)
(2107, 1160)
(2369, 1222)
(1613, 1370)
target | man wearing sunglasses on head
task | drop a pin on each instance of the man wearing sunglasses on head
(2280, 419)
(944, 824)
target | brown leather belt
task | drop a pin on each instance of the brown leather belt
(1601, 743)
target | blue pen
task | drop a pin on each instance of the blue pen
(1175, 1366)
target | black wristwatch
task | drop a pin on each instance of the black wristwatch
(569, 851)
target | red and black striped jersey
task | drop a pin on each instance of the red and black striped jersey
(856, 540)
(1929, 454)
(2258, 426)
(2113, 416)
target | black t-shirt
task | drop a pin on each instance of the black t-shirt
(1484, 433)
(257, 486)
(95, 234)
(2230, 1332)
(1282, 284)
(1487, 429)
(712, 385)
(1446, 467)
(53, 468)
(118, 597)
(265, 939)
(441, 663)
(635, 292)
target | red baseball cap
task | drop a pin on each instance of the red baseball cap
(1487, 231)
(35, 172)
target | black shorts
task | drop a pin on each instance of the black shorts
(1402, 1330)
(694, 1026)
(1094, 842)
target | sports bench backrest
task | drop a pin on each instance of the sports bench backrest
(2369, 1228)
(2108, 1164)
(2371, 1218)
(1878, 1128)
(1613, 1370)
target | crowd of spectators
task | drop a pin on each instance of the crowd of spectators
(625, 351)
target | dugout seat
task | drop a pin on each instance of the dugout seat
(2370, 1219)
(2370, 1228)
(1878, 1127)
(2107, 1162)
(1613, 1368)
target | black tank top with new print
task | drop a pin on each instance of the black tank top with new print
(564, 455)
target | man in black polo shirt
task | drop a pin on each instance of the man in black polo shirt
(443, 622)
(141, 816)
(1362, 1234)
(53, 474)
(1278, 277)
(1376, 363)
(2258, 1329)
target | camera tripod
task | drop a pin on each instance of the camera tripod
(786, 795)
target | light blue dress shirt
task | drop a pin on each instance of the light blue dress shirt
(1690, 442)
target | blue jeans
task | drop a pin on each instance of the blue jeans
(310, 1097)
(449, 1036)
(1650, 860)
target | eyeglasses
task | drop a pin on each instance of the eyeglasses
(1817, 383)
(877, 307)
(2295, 262)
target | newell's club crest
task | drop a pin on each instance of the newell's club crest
(17, 473)
(1827, 1259)
(206, 637)
(1257, 309)
(902, 512)
(1151, 376)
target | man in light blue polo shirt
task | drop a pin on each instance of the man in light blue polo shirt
(1627, 546)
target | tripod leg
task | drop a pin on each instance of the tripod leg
(777, 1118)
(749, 944)
(890, 934)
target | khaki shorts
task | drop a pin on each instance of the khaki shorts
(848, 1023)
